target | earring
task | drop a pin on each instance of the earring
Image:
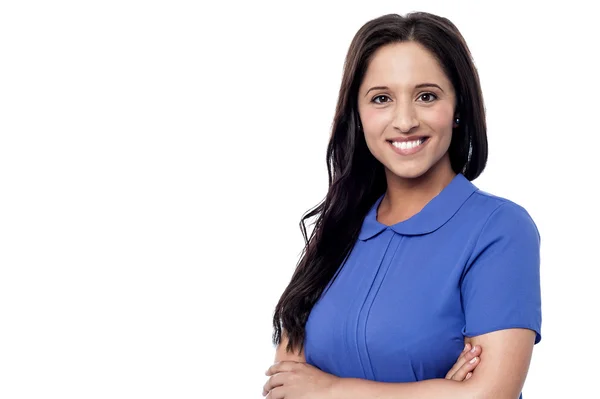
(457, 120)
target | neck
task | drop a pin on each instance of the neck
(406, 197)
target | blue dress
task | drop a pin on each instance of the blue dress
(398, 310)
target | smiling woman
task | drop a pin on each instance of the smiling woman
(412, 111)
(409, 260)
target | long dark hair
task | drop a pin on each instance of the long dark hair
(356, 178)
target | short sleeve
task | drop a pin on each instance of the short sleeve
(500, 288)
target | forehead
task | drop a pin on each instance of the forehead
(404, 64)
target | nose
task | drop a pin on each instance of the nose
(405, 118)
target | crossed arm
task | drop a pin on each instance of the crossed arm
(501, 373)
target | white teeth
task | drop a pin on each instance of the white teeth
(406, 145)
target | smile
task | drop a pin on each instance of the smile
(408, 147)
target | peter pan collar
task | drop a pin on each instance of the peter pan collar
(433, 216)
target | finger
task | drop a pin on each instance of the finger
(469, 375)
(459, 362)
(275, 381)
(468, 367)
(474, 352)
(466, 348)
(276, 393)
(467, 357)
(279, 367)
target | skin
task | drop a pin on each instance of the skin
(287, 363)
(405, 93)
(402, 109)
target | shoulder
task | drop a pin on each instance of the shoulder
(506, 233)
(500, 215)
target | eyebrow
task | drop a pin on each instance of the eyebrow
(419, 86)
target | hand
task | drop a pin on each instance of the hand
(463, 368)
(296, 380)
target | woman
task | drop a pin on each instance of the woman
(408, 260)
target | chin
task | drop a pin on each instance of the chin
(420, 167)
(408, 172)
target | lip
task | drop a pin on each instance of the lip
(404, 138)
(409, 151)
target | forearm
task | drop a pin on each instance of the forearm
(353, 388)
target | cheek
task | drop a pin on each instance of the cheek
(373, 120)
(441, 121)
(374, 123)
(373, 129)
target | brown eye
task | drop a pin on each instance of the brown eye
(375, 99)
(428, 97)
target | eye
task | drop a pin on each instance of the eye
(375, 99)
(428, 97)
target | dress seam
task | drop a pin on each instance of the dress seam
(375, 297)
(361, 312)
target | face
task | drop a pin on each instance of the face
(406, 105)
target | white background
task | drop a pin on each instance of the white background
(156, 158)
